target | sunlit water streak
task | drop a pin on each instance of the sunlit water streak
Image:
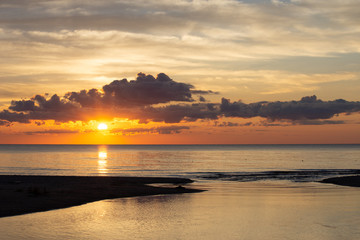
(102, 160)
(177, 160)
(254, 192)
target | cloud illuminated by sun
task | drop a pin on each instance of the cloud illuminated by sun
(102, 126)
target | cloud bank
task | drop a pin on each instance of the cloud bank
(307, 108)
(162, 99)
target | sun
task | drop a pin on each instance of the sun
(102, 126)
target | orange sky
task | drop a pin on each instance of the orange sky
(198, 133)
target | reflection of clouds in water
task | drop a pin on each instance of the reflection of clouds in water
(102, 159)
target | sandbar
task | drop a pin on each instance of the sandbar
(21, 194)
(351, 181)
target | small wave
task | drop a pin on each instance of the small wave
(293, 175)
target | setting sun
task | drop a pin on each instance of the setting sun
(102, 126)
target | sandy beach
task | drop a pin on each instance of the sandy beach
(27, 194)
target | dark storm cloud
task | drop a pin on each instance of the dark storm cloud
(138, 99)
(156, 130)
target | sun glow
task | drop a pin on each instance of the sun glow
(102, 126)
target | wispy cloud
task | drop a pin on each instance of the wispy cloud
(318, 122)
(232, 124)
(51, 132)
(155, 130)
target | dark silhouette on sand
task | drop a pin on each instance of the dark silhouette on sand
(26, 194)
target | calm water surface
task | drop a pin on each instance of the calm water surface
(148, 160)
(254, 192)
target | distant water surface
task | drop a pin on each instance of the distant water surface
(226, 162)
(254, 192)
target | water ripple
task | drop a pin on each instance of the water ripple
(299, 175)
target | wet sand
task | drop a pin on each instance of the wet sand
(27, 194)
(351, 181)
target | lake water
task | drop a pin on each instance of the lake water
(254, 192)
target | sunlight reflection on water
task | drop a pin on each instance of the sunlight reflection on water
(102, 160)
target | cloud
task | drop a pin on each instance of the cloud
(41, 108)
(51, 131)
(132, 99)
(177, 113)
(39, 103)
(269, 123)
(227, 124)
(145, 90)
(317, 122)
(5, 123)
(232, 124)
(228, 21)
(155, 130)
(8, 117)
(239, 109)
(202, 39)
(162, 99)
(203, 92)
(287, 123)
(307, 108)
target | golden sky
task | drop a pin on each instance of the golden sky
(216, 71)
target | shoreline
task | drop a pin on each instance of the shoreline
(350, 181)
(21, 194)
